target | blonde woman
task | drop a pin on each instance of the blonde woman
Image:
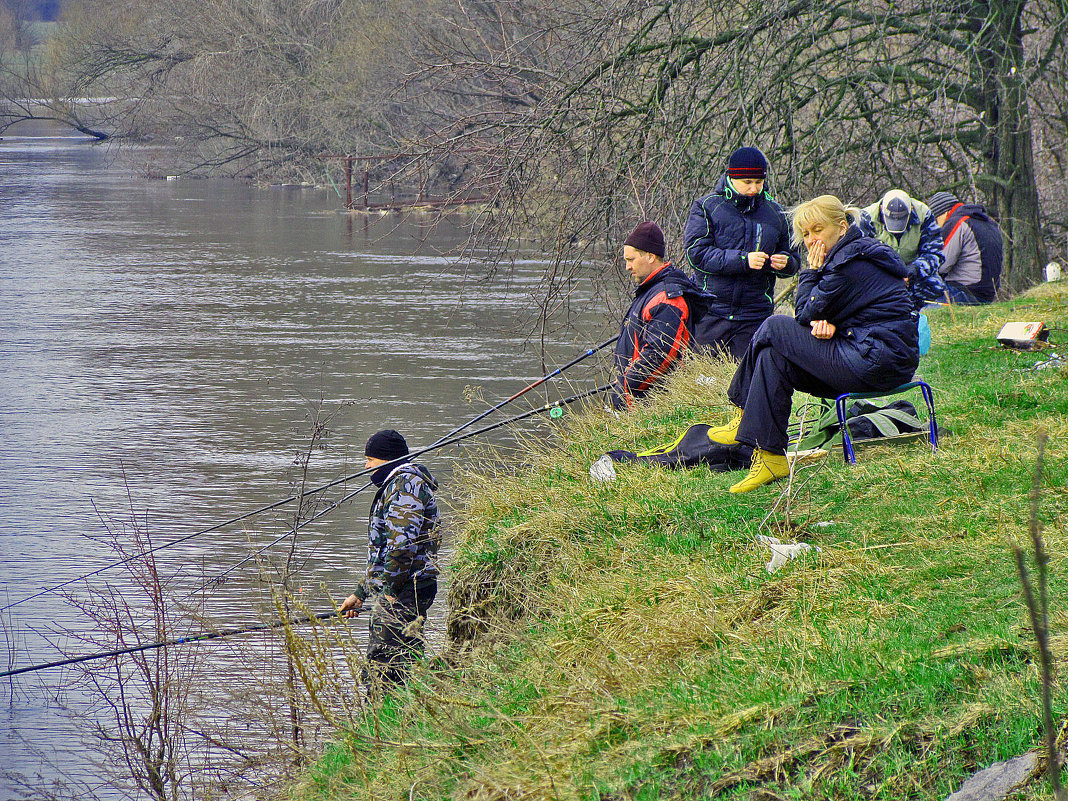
(854, 331)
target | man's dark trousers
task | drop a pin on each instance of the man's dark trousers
(395, 638)
(961, 295)
(782, 357)
(725, 336)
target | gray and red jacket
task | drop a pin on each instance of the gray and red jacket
(656, 330)
(987, 237)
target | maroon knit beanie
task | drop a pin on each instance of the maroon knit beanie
(747, 162)
(648, 237)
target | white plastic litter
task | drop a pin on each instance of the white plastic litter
(1056, 360)
(781, 553)
(614, 412)
(604, 469)
(705, 381)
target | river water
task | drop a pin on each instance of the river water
(166, 347)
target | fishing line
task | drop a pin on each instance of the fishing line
(211, 635)
(448, 440)
(216, 579)
(548, 407)
(439, 441)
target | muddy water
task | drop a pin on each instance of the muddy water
(167, 347)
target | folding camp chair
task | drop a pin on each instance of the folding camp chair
(843, 399)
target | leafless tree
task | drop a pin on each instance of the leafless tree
(579, 117)
(593, 115)
(240, 87)
(29, 87)
(168, 721)
(283, 575)
(142, 695)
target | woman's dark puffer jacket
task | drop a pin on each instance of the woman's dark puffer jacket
(861, 289)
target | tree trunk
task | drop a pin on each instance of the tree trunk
(1010, 182)
(1018, 205)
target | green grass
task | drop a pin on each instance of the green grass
(625, 641)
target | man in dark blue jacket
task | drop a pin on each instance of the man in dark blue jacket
(738, 242)
(658, 326)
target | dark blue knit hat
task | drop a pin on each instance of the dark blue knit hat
(747, 162)
(388, 445)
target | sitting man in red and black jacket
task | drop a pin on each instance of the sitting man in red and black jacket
(659, 325)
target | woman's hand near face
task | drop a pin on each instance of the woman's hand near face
(817, 254)
(823, 329)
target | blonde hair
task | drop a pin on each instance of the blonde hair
(826, 209)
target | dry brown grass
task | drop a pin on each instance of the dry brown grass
(616, 639)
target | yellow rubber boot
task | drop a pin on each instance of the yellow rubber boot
(727, 433)
(767, 467)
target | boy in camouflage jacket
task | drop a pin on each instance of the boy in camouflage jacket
(402, 547)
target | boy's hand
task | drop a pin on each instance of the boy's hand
(756, 259)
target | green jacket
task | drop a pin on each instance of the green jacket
(920, 247)
(908, 244)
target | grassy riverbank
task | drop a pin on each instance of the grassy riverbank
(625, 640)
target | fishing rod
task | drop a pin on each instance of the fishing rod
(216, 579)
(441, 444)
(151, 646)
(548, 407)
(548, 376)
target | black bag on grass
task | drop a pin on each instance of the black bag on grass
(690, 449)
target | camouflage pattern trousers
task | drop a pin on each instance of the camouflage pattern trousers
(396, 633)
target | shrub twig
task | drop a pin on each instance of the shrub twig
(1038, 608)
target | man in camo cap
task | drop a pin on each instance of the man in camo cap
(909, 227)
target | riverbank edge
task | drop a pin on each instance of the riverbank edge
(626, 640)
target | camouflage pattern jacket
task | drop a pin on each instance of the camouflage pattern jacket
(402, 532)
(920, 247)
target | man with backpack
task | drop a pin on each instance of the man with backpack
(973, 249)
